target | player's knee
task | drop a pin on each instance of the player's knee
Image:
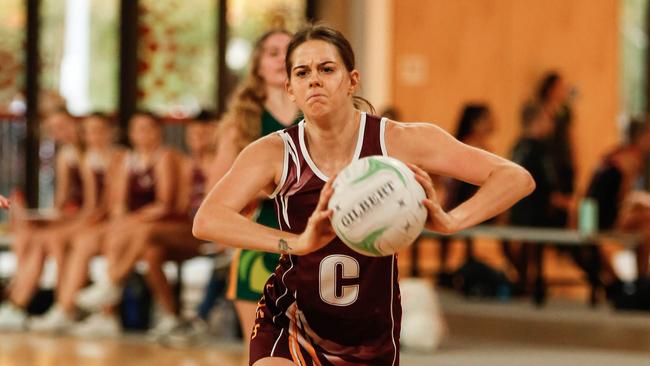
(154, 255)
(145, 233)
(273, 361)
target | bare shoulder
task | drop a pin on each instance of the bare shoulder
(228, 132)
(267, 148)
(119, 153)
(170, 153)
(405, 140)
(264, 158)
(400, 130)
(171, 157)
(118, 158)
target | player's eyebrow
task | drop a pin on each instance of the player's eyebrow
(320, 64)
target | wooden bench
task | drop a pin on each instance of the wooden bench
(540, 238)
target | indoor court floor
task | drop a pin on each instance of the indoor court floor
(565, 332)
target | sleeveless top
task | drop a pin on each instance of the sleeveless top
(98, 165)
(265, 214)
(141, 182)
(74, 196)
(197, 190)
(345, 303)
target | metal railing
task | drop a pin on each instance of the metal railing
(12, 161)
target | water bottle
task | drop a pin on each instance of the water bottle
(588, 216)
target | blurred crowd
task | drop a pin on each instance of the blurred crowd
(617, 191)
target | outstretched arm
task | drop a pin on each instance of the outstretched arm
(432, 150)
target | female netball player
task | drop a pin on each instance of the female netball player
(139, 190)
(160, 240)
(53, 239)
(259, 106)
(326, 304)
(68, 191)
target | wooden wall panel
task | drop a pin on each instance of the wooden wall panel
(446, 53)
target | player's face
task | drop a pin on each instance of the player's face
(199, 137)
(144, 133)
(559, 91)
(644, 141)
(97, 132)
(61, 128)
(271, 67)
(484, 128)
(319, 82)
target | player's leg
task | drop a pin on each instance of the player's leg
(274, 361)
(27, 277)
(167, 241)
(84, 247)
(246, 314)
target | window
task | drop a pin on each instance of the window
(12, 35)
(249, 19)
(79, 55)
(177, 55)
(634, 48)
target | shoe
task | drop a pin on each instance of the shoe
(12, 318)
(445, 279)
(186, 334)
(54, 321)
(166, 324)
(615, 289)
(99, 296)
(98, 326)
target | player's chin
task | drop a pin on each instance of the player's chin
(317, 108)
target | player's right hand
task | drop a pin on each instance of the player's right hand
(319, 229)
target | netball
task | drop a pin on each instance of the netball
(377, 207)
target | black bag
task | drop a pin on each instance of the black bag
(477, 279)
(135, 309)
(41, 302)
(633, 295)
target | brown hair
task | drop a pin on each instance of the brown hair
(336, 39)
(246, 105)
(637, 127)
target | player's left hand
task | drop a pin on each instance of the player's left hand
(439, 220)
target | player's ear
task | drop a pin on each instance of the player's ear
(355, 79)
(289, 89)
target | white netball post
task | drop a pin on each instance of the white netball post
(377, 206)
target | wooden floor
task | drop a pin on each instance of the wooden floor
(563, 333)
(26, 349)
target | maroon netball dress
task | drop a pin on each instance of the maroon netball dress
(98, 165)
(197, 190)
(333, 306)
(142, 182)
(74, 196)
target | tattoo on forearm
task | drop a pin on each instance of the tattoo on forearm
(284, 247)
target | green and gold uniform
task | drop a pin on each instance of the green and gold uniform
(250, 268)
